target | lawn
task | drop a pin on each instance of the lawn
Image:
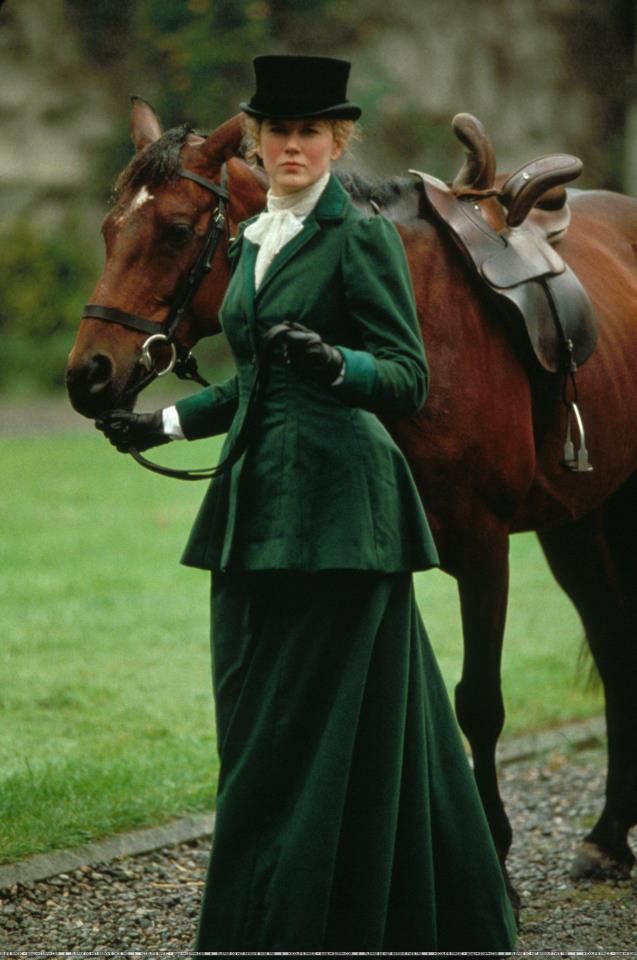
(107, 720)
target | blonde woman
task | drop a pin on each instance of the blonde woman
(347, 817)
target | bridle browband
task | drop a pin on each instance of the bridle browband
(181, 362)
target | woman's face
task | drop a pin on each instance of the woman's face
(296, 153)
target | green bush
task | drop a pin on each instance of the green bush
(44, 281)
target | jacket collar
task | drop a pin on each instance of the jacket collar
(331, 207)
(332, 202)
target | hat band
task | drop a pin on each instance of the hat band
(263, 107)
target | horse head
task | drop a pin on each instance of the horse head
(167, 206)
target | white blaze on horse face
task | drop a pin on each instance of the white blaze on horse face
(141, 197)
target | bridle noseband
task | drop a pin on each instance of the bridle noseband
(181, 361)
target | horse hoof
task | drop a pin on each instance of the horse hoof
(591, 863)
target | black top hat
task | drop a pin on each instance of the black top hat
(293, 88)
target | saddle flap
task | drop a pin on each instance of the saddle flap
(527, 256)
(542, 305)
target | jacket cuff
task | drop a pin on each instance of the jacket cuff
(360, 375)
(172, 424)
(208, 412)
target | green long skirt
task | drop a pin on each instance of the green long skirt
(347, 815)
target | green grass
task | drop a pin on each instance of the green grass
(105, 707)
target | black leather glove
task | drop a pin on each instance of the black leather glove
(139, 430)
(310, 357)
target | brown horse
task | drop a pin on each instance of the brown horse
(486, 449)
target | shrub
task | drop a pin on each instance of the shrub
(44, 282)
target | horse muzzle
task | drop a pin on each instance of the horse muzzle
(94, 387)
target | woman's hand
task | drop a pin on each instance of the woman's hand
(139, 430)
(310, 357)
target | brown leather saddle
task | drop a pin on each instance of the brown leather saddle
(508, 233)
(516, 259)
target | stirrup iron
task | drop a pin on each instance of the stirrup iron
(576, 463)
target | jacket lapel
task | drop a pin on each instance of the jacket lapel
(248, 261)
(290, 250)
(331, 206)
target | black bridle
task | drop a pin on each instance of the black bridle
(181, 362)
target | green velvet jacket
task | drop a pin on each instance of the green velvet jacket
(322, 484)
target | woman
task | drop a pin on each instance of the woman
(347, 816)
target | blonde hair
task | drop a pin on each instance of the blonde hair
(345, 132)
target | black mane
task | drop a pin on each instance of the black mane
(383, 192)
(157, 163)
(160, 162)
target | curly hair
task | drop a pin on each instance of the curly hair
(346, 132)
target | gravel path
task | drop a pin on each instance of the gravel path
(38, 416)
(552, 804)
(150, 902)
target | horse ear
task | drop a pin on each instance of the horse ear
(224, 142)
(145, 127)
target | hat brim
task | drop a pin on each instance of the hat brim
(339, 111)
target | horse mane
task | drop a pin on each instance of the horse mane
(160, 162)
(157, 163)
(383, 191)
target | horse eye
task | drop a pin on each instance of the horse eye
(178, 234)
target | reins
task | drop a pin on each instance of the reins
(242, 440)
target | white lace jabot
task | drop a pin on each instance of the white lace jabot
(281, 220)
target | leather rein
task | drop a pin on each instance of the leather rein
(182, 362)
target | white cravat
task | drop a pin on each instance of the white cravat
(281, 221)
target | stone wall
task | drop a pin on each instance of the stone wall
(542, 75)
(56, 117)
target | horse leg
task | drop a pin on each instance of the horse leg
(593, 559)
(483, 582)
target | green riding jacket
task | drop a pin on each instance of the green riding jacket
(322, 485)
